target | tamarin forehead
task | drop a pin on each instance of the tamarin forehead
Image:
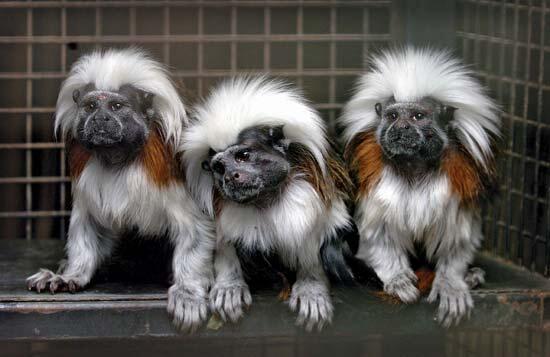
(102, 95)
(426, 103)
(127, 93)
(262, 133)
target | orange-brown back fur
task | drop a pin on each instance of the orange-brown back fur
(336, 182)
(468, 180)
(364, 157)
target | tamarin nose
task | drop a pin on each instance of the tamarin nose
(102, 118)
(402, 124)
(235, 177)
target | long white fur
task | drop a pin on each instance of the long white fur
(299, 221)
(412, 73)
(109, 70)
(398, 212)
(110, 200)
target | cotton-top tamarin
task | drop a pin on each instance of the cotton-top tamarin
(121, 119)
(419, 136)
(259, 161)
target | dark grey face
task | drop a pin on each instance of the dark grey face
(413, 132)
(253, 170)
(113, 124)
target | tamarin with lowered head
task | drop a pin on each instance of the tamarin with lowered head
(258, 160)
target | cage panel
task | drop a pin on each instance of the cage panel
(506, 43)
(316, 45)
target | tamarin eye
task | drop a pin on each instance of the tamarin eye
(243, 155)
(418, 116)
(392, 115)
(116, 106)
(211, 152)
(91, 106)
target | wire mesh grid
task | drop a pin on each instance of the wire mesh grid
(316, 44)
(509, 44)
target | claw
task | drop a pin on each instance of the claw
(187, 306)
(313, 304)
(403, 286)
(455, 301)
(229, 299)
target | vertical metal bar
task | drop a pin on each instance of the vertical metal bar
(332, 64)
(511, 143)
(366, 20)
(267, 44)
(62, 158)
(233, 49)
(300, 46)
(477, 29)
(540, 81)
(524, 148)
(132, 21)
(28, 126)
(98, 23)
(496, 213)
(166, 33)
(200, 50)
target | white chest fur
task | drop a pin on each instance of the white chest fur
(296, 216)
(126, 197)
(414, 208)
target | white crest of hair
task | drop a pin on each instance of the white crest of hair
(113, 68)
(409, 74)
(238, 104)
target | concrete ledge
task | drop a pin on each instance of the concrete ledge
(511, 298)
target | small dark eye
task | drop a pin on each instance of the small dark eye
(243, 155)
(418, 116)
(211, 152)
(116, 106)
(91, 106)
(392, 115)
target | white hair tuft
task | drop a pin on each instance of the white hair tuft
(111, 69)
(411, 73)
(241, 103)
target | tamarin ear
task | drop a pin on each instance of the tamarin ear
(76, 95)
(447, 113)
(206, 163)
(378, 109)
(276, 133)
(277, 139)
(146, 102)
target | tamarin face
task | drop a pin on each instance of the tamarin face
(253, 170)
(113, 124)
(413, 131)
